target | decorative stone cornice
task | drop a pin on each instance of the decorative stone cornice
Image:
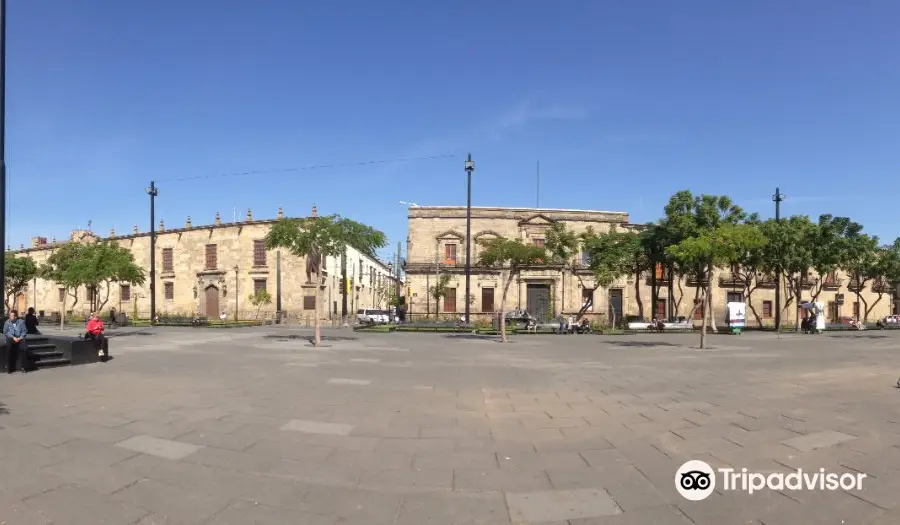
(517, 214)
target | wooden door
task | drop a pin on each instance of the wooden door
(212, 302)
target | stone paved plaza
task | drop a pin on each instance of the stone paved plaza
(254, 426)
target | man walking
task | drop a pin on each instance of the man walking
(16, 352)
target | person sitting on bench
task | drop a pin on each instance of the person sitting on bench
(31, 322)
(16, 351)
(95, 332)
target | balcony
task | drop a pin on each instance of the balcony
(765, 281)
(692, 280)
(660, 280)
(730, 279)
(832, 283)
(882, 286)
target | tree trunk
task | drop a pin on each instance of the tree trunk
(696, 304)
(503, 308)
(870, 308)
(670, 299)
(609, 306)
(798, 294)
(317, 328)
(637, 294)
(703, 330)
(861, 303)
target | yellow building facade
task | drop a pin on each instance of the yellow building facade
(214, 269)
(436, 246)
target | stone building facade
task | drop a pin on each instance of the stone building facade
(214, 268)
(436, 245)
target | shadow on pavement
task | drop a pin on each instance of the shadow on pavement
(309, 338)
(472, 336)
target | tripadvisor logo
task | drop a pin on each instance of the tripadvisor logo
(696, 480)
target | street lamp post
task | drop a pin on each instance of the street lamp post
(237, 291)
(778, 197)
(3, 141)
(469, 167)
(152, 191)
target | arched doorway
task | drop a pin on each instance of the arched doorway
(21, 304)
(211, 296)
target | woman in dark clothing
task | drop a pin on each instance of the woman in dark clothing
(31, 322)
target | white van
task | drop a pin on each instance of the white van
(372, 316)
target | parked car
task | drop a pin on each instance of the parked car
(372, 316)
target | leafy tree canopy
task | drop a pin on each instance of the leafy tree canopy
(19, 273)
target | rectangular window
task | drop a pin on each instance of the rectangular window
(659, 271)
(212, 259)
(62, 294)
(585, 258)
(309, 302)
(449, 254)
(587, 299)
(487, 299)
(856, 309)
(698, 313)
(90, 294)
(167, 260)
(831, 277)
(259, 253)
(259, 285)
(832, 312)
(767, 309)
(125, 292)
(539, 243)
(661, 308)
(735, 297)
(169, 289)
(450, 300)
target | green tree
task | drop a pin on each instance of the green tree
(828, 245)
(713, 247)
(862, 266)
(102, 264)
(259, 299)
(747, 265)
(887, 270)
(510, 257)
(316, 238)
(563, 245)
(438, 291)
(20, 271)
(59, 269)
(612, 256)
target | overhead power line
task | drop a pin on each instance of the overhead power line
(314, 167)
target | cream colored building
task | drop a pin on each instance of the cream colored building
(214, 268)
(436, 245)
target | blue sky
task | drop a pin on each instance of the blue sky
(623, 103)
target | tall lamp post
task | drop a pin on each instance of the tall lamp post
(3, 141)
(153, 193)
(469, 167)
(778, 197)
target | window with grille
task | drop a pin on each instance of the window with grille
(125, 292)
(450, 300)
(259, 253)
(259, 285)
(449, 254)
(767, 309)
(856, 309)
(698, 313)
(62, 294)
(309, 302)
(212, 259)
(169, 290)
(167, 260)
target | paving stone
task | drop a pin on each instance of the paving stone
(817, 440)
(406, 480)
(435, 508)
(100, 477)
(163, 448)
(318, 427)
(347, 381)
(560, 505)
(237, 441)
(456, 460)
(252, 513)
(172, 502)
(364, 360)
(231, 460)
(77, 506)
(662, 515)
(500, 480)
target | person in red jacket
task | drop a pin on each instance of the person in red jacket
(95, 332)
